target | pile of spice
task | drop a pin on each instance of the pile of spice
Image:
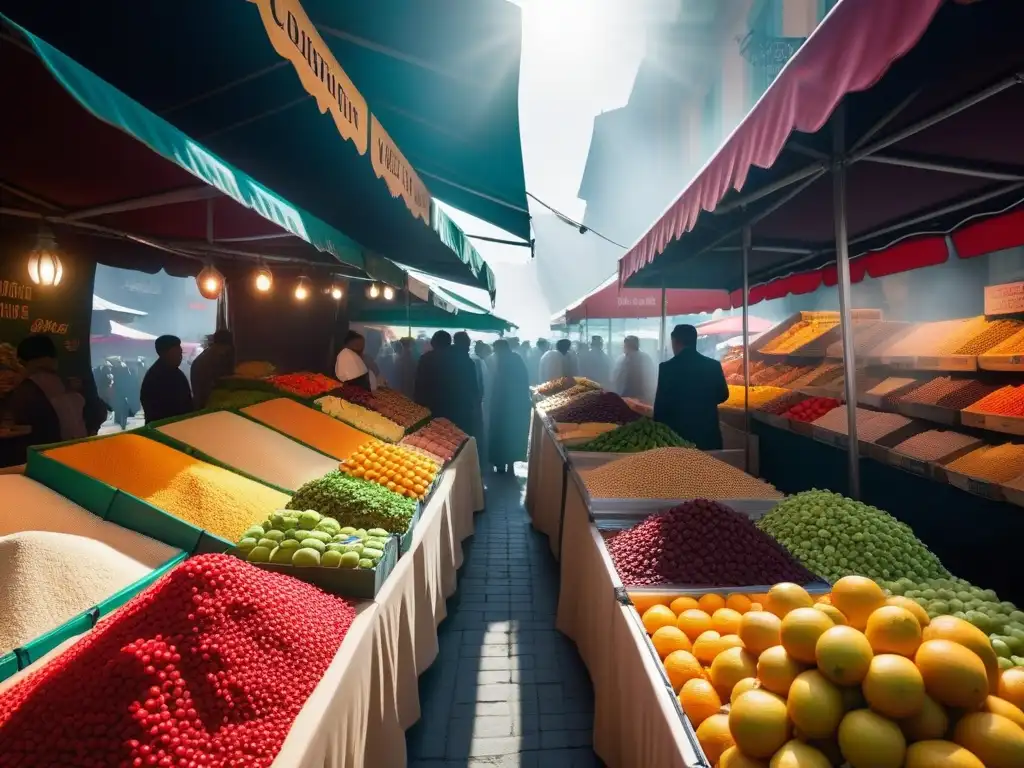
(924, 339)
(555, 386)
(890, 385)
(879, 425)
(673, 473)
(49, 578)
(312, 427)
(960, 336)
(809, 327)
(992, 333)
(758, 396)
(244, 445)
(214, 499)
(304, 384)
(998, 463)
(355, 502)
(399, 408)
(363, 419)
(965, 396)
(1007, 401)
(931, 392)
(601, 407)
(1010, 346)
(890, 401)
(782, 403)
(934, 444)
(187, 673)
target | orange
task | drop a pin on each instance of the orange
(726, 621)
(1011, 686)
(796, 754)
(729, 667)
(760, 630)
(744, 685)
(693, 622)
(737, 602)
(857, 598)
(714, 737)
(668, 639)
(814, 705)
(911, 605)
(931, 722)
(998, 706)
(756, 607)
(711, 602)
(892, 629)
(998, 742)
(868, 740)
(843, 655)
(733, 758)
(800, 631)
(785, 597)
(832, 612)
(707, 646)
(658, 616)
(644, 600)
(893, 686)
(777, 670)
(758, 723)
(952, 674)
(681, 604)
(681, 666)
(940, 754)
(699, 700)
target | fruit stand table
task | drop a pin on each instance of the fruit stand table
(548, 469)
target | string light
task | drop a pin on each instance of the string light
(373, 291)
(302, 289)
(44, 266)
(336, 292)
(264, 280)
(389, 293)
(210, 282)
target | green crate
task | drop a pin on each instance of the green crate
(142, 517)
(8, 665)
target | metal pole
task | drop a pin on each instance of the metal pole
(609, 345)
(746, 348)
(661, 329)
(845, 319)
(408, 310)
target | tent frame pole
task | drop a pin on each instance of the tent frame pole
(746, 347)
(661, 328)
(845, 309)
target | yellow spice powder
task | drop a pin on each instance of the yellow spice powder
(211, 498)
(323, 432)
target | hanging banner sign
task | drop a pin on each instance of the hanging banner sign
(390, 164)
(295, 38)
(1005, 299)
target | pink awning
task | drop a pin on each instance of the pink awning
(612, 302)
(847, 53)
(733, 326)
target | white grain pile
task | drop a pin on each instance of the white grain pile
(57, 560)
(247, 446)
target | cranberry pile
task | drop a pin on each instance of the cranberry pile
(702, 543)
(603, 407)
(208, 668)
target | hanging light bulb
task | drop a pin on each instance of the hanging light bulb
(302, 289)
(264, 280)
(210, 282)
(44, 267)
(373, 291)
(389, 293)
(336, 291)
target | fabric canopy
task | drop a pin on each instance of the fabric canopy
(929, 132)
(609, 301)
(731, 326)
(132, 176)
(102, 305)
(212, 70)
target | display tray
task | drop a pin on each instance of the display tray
(804, 428)
(836, 391)
(828, 437)
(930, 469)
(1013, 495)
(21, 658)
(1010, 425)
(975, 485)
(1001, 362)
(625, 513)
(359, 583)
(945, 363)
(933, 413)
(771, 419)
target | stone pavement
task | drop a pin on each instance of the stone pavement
(507, 689)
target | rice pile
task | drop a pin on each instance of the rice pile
(245, 445)
(313, 427)
(47, 578)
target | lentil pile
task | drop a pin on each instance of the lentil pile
(49, 578)
(934, 444)
(598, 407)
(965, 396)
(1009, 346)
(355, 502)
(960, 337)
(1007, 401)
(189, 673)
(303, 384)
(247, 446)
(641, 435)
(879, 425)
(997, 464)
(211, 498)
(702, 543)
(673, 473)
(312, 427)
(932, 391)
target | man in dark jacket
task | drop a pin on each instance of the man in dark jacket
(466, 387)
(213, 363)
(430, 376)
(165, 391)
(690, 388)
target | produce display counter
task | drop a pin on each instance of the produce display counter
(548, 472)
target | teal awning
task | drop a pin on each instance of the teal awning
(114, 108)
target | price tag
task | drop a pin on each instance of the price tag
(1016, 359)
(913, 465)
(980, 488)
(928, 362)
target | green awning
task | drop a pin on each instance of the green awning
(115, 108)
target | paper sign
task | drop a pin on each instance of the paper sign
(1004, 299)
(390, 164)
(295, 38)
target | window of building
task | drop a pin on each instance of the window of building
(711, 117)
(765, 48)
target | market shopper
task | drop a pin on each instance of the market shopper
(430, 373)
(165, 392)
(350, 367)
(404, 367)
(558, 362)
(635, 374)
(214, 362)
(533, 364)
(509, 413)
(465, 387)
(690, 388)
(594, 362)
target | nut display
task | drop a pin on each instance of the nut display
(595, 406)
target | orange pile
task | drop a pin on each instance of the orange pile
(997, 464)
(1007, 401)
(397, 469)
